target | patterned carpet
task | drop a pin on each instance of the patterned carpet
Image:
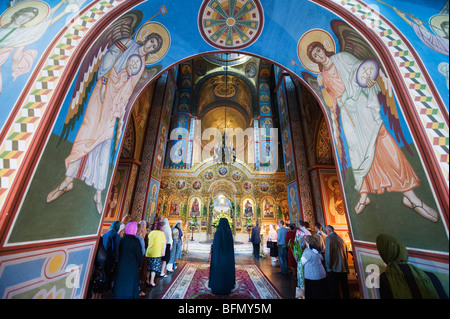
(192, 283)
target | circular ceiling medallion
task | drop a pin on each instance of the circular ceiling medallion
(230, 24)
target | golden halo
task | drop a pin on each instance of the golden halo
(155, 27)
(313, 35)
(435, 23)
(42, 6)
(330, 182)
(292, 193)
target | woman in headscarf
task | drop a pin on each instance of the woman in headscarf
(155, 250)
(169, 241)
(316, 283)
(111, 240)
(176, 242)
(402, 280)
(274, 247)
(126, 280)
(222, 274)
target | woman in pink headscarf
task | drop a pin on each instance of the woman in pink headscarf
(126, 280)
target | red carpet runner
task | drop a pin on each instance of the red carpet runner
(192, 283)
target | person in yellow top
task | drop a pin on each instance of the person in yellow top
(155, 250)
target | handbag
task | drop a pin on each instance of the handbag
(270, 244)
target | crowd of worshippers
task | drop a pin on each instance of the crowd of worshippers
(130, 257)
(325, 269)
(323, 258)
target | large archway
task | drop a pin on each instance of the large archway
(44, 104)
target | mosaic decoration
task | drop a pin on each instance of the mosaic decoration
(181, 184)
(264, 187)
(223, 171)
(209, 175)
(247, 186)
(197, 185)
(231, 24)
(164, 184)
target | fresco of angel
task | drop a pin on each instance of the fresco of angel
(24, 23)
(356, 89)
(118, 61)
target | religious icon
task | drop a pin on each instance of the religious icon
(117, 76)
(265, 109)
(359, 111)
(287, 149)
(180, 184)
(293, 206)
(264, 186)
(195, 208)
(268, 208)
(248, 209)
(247, 186)
(335, 202)
(175, 207)
(223, 171)
(164, 184)
(236, 176)
(24, 23)
(161, 144)
(197, 185)
(208, 175)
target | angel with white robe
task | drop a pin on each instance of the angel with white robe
(118, 74)
(377, 162)
(26, 26)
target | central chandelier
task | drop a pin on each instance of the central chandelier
(224, 151)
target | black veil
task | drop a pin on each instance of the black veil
(222, 269)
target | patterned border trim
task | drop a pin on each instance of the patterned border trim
(54, 269)
(18, 139)
(425, 103)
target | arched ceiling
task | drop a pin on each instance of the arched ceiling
(216, 118)
(226, 77)
(224, 88)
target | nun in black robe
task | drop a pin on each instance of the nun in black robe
(222, 271)
(126, 280)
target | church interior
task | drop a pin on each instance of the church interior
(326, 112)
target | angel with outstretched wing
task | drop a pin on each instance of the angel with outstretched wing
(115, 66)
(356, 89)
(24, 23)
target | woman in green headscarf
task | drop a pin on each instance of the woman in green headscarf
(402, 280)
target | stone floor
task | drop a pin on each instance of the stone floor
(198, 251)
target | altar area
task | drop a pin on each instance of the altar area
(200, 195)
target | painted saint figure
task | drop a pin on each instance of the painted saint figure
(119, 73)
(26, 26)
(377, 162)
(248, 209)
(195, 209)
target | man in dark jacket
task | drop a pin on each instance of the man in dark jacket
(336, 263)
(256, 240)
